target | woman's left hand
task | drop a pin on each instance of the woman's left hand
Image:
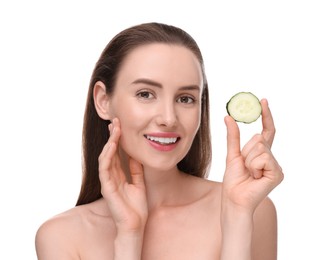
(253, 172)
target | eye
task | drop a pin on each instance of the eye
(186, 100)
(144, 94)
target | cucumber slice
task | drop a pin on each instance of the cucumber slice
(244, 107)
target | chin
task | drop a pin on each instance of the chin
(162, 166)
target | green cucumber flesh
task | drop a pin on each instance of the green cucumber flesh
(244, 107)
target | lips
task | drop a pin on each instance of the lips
(163, 141)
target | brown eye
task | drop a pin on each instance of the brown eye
(145, 95)
(185, 100)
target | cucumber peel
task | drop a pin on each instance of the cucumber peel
(244, 107)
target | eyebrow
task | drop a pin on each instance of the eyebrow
(158, 85)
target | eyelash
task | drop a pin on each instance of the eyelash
(192, 99)
(141, 94)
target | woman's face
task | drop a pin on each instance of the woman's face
(157, 98)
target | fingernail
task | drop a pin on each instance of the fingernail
(266, 101)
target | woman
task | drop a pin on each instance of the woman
(146, 151)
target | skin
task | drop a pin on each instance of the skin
(163, 213)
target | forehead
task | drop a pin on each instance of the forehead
(163, 62)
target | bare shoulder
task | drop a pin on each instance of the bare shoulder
(52, 237)
(266, 209)
(265, 231)
(66, 235)
(265, 217)
(63, 221)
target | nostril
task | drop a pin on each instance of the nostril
(166, 115)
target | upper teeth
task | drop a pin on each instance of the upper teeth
(162, 140)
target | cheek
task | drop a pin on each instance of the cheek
(132, 121)
(130, 118)
(193, 122)
(125, 111)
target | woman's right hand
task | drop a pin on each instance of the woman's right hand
(126, 201)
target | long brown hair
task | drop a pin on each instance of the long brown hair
(95, 130)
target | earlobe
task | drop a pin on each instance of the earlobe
(101, 100)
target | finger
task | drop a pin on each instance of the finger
(268, 128)
(265, 165)
(261, 162)
(233, 139)
(107, 158)
(252, 143)
(115, 131)
(253, 159)
(137, 172)
(114, 138)
(257, 166)
(106, 161)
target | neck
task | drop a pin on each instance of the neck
(163, 187)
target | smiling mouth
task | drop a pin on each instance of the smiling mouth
(163, 140)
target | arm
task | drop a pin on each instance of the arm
(126, 201)
(251, 174)
(250, 236)
(237, 228)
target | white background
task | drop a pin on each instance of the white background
(47, 53)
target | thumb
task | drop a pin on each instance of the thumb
(137, 172)
(233, 139)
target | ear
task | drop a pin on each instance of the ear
(101, 100)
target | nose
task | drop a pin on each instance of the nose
(167, 115)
